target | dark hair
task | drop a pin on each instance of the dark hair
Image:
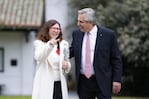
(43, 33)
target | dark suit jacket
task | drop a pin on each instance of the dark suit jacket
(107, 61)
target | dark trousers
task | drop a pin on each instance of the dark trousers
(57, 90)
(88, 88)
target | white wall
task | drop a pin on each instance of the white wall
(28, 66)
(57, 9)
(11, 77)
(17, 79)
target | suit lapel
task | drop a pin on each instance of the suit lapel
(81, 40)
(98, 41)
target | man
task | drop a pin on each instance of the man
(97, 58)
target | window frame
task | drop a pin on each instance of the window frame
(2, 60)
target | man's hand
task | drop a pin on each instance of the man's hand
(116, 87)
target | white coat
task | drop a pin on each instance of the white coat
(43, 84)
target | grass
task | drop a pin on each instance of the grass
(15, 97)
(29, 97)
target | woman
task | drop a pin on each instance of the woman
(52, 57)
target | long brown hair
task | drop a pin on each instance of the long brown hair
(43, 33)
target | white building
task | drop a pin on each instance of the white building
(19, 23)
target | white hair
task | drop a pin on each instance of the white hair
(90, 14)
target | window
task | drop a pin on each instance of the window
(1, 59)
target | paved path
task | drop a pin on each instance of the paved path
(73, 95)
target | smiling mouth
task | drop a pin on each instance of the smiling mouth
(56, 35)
(81, 28)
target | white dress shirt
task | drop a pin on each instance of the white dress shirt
(92, 35)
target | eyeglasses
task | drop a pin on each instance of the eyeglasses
(55, 28)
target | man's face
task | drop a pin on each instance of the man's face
(82, 23)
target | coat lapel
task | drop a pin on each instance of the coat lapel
(98, 41)
(80, 38)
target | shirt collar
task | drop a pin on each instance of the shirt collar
(93, 31)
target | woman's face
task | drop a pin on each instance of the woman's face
(54, 31)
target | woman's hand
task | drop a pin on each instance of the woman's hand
(64, 65)
(54, 41)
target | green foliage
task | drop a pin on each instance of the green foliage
(130, 20)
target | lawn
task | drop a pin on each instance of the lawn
(28, 97)
(15, 97)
